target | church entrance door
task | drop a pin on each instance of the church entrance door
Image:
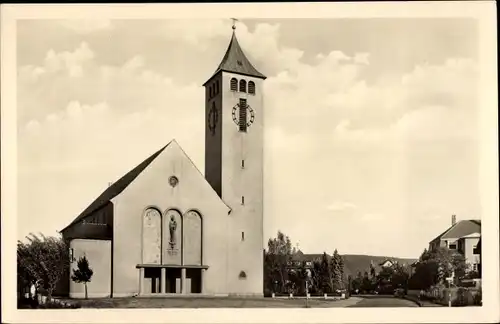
(152, 280)
(173, 281)
(193, 281)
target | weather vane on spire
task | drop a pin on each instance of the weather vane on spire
(234, 23)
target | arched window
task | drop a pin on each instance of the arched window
(243, 86)
(151, 237)
(251, 87)
(234, 84)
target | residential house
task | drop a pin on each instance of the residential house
(463, 236)
(299, 258)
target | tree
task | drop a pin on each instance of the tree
(366, 284)
(437, 265)
(337, 270)
(325, 274)
(357, 282)
(401, 276)
(45, 259)
(83, 273)
(342, 272)
(277, 262)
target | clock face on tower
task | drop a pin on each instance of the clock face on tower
(243, 113)
(213, 118)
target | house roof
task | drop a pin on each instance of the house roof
(460, 229)
(300, 256)
(235, 61)
(387, 260)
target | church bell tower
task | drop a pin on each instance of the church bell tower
(234, 162)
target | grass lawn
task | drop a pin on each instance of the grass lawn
(213, 302)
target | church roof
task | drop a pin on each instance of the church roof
(117, 187)
(235, 61)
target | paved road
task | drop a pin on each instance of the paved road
(384, 301)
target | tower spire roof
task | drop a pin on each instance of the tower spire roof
(235, 60)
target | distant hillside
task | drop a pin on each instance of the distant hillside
(354, 263)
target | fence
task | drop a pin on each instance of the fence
(459, 296)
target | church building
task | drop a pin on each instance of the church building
(164, 228)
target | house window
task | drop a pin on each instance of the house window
(474, 267)
(210, 92)
(234, 84)
(217, 87)
(242, 200)
(243, 86)
(242, 164)
(242, 275)
(71, 255)
(243, 115)
(251, 87)
(475, 250)
(242, 236)
(452, 246)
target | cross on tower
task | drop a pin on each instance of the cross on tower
(234, 22)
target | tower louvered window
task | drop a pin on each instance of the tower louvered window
(234, 84)
(243, 115)
(243, 86)
(251, 87)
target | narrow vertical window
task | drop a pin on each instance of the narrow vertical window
(210, 92)
(242, 236)
(251, 87)
(243, 86)
(243, 115)
(242, 200)
(242, 164)
(217, 87)
(234, 84)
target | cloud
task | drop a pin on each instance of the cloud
(341, 206)
(325, 123)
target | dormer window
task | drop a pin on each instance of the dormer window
(243, 86)
(251, 87)
(234, 84)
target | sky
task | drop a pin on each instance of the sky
(371, 139)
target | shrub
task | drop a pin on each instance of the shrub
(58, 305)
(477, 300)
(461, 299)
(25, 303)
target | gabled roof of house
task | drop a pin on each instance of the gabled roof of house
(300, 256)
(387, 260)
(235, 61)
(460, 229)
(117, 187)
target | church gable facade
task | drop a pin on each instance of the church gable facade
(170, 226)
(164, 227)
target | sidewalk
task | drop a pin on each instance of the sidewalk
(422, 303)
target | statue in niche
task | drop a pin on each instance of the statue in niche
(172, 226)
